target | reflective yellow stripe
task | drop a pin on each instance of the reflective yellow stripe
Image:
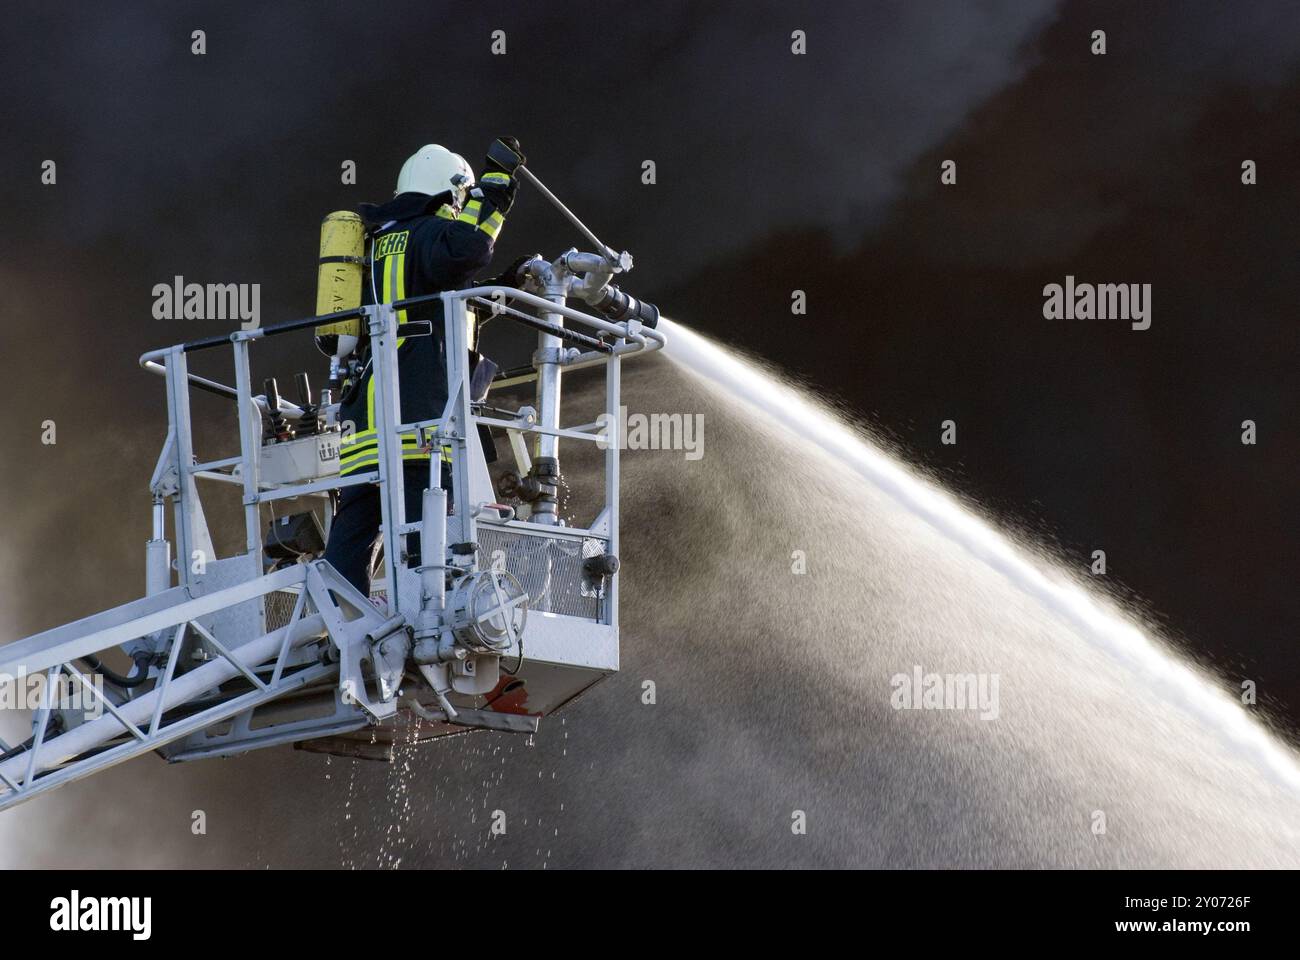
(408, 439)
(473, 213)
(370, 403)
(395, 287)
(352, 449)
(495, 177)
(350, 465)
(372, 460)
(492, 225)
(374, 448)
(353, 445)
(400, 276)
(361, 449)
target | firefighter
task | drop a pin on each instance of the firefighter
(436, 232)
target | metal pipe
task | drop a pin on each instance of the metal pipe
(249, 452)
(291, 410)
(578, 262)
(433, 560)
(543, 303)
(572, 433)
(157, 569)
(483, 291)
(609, 253)
(548, 360)
(613, 480)
(392, 477)
(423, 712)
(435, 676)
(159, 519)
(565, 334)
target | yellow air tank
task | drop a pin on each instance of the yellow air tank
(338, 283)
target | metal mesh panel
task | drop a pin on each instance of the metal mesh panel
(548, 568)
(279, 608)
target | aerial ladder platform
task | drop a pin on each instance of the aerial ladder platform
(511, 613)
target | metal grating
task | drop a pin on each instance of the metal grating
(548, 568)
(279, 608)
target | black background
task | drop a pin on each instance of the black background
(901, 906)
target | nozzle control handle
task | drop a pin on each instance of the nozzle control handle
(621, 262)
(505, 155)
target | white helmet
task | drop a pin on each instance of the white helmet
(434, 169)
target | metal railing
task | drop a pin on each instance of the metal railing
(607, 344)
